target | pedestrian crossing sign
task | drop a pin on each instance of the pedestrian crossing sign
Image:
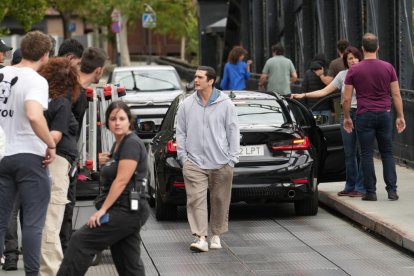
(149, 20)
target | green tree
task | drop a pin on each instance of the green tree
(26, 12)
(177, 19)
(174, 18)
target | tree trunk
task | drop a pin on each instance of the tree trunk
(123, 36)
(66, 16)
(103, 41)
(183, 48)
(95, 39)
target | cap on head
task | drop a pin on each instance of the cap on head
(4, 47)
(17, 56)
(315, 65)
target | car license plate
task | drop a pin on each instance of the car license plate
(252, 150)
(156, 121)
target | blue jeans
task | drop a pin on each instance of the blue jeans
(354, 176)
(371, 126)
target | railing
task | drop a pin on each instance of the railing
(403, 144)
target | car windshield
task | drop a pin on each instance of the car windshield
(147, 81)
(259, 112)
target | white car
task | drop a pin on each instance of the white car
(150, 89)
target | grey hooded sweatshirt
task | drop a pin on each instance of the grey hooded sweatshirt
(208, 135)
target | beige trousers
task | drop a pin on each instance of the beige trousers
(51, 250)
(219, 183)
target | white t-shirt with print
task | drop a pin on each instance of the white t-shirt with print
(18, 85)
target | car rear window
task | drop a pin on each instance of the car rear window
(259, 112)
(147, 81)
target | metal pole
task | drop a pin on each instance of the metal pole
(149, 11)
(118, 49)
(149, 47)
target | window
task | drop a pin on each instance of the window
(148, 81)
(259, 112)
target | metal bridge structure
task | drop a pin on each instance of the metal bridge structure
(308, 27)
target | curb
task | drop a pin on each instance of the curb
(373, 223)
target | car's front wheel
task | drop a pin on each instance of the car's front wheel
(163, 211)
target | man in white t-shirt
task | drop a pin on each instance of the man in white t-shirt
(29, 146)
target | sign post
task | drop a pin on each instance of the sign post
(116, 27)
(149, 21)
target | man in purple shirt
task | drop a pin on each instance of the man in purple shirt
(373, 80)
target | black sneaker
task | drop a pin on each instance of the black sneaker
(369, 197)
(10, 264)
(393, 196)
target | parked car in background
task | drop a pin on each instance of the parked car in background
(284, 154)
(150, 89)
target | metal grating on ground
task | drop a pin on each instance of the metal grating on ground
(211, 269)
(107, 268)
(268, 243)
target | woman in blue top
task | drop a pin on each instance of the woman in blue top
(236, 71)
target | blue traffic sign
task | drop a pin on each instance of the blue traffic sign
(149, 20)
(72, 27)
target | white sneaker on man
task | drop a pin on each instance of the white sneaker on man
(199, 245)
(215, 242)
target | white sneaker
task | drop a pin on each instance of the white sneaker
(215, 242)
(199, 245)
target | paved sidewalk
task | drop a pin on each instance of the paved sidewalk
(392, 219)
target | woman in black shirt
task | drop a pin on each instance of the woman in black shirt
(117, 222)
(63, 83)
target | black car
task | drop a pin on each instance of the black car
(284, 154)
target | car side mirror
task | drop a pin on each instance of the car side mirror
(321, 119)
(146, 126)
(189, 87)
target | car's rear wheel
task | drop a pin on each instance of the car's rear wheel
(309, 206)
(163, 211)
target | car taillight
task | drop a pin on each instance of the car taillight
(178, 184)
(300, 181)
(171, 147)
(295, 144)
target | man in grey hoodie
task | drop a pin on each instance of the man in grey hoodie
(208, 142)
